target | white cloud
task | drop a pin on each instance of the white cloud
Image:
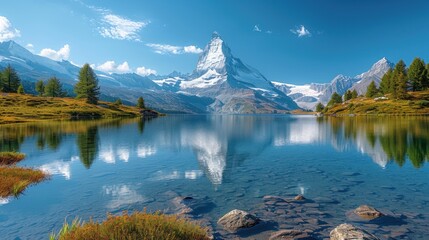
(269, 32)
(301, 31)
(7, 32)
(30, 47)
(164, 48)
(117, 27)
(192, 49)
(145, 71)
(257, 29)
(170, 49)
(62, 54)
(112, 67)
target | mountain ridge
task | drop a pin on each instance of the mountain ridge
(220, 83)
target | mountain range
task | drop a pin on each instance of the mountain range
(220, 83)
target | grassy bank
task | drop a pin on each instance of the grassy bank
(139, 225)
(416, 104)
(14, 180)
(23, 108)
(9, 158)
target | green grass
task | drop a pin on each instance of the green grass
(23, 108)
(10, 158)
(417, 104)
(14, 180)
(138, 225)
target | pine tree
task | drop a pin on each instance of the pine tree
(348, 95)
(10, 80)
(319, 107)
(399, 79)
(140, 103)
(335, 98)
(354, 94)
(417, 74)
(87, 87)
(401, 87)
(40, 87)
(54, 88)
(372, 90)
(20, 89)
(385, 82)
(426, 83)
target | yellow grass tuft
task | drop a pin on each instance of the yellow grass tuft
(14, 180)
(138, 225)
(10, 158)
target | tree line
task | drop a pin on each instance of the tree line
(397, 82)
(86, 88)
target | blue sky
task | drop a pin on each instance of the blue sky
(288, 41)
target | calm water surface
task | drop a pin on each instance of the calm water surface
(228, 162)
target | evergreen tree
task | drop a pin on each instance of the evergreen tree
(40, 87)
(372, 90)
(417, 74)
(399, 79)
(319, 107)
(54, 88)
(10, 80)
(87, 87)
(401, 87)
(348, 95)
(354, 94)
(140, 103)
(118, 102)
(20, 89)
(385, 82)
(335, 98)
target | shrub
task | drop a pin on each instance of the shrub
(139, 225)
(423, 103)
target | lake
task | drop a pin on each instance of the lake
(225, 162)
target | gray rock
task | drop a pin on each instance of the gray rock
(237, 219)
(291, 234)
(349, 232)
(367, 212)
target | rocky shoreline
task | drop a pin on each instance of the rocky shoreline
(295, 217)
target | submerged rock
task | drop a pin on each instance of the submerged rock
(193, 206)
(349, 232)
(291, 235)
(299, 197)
(367, 212)
(237, 219)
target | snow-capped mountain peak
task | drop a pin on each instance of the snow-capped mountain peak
(215, 56)
(378, 68)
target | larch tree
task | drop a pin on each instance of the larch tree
(385, 82)
(40, 87)
(399, 79)
(87, 86)
(417, 74)
(354, 94)
(10, 80)
(54, 88)
(319, 107)
(140, 103)
(372, 90)
(335, 98)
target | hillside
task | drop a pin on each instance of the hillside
(417, 104)
(23, 108)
